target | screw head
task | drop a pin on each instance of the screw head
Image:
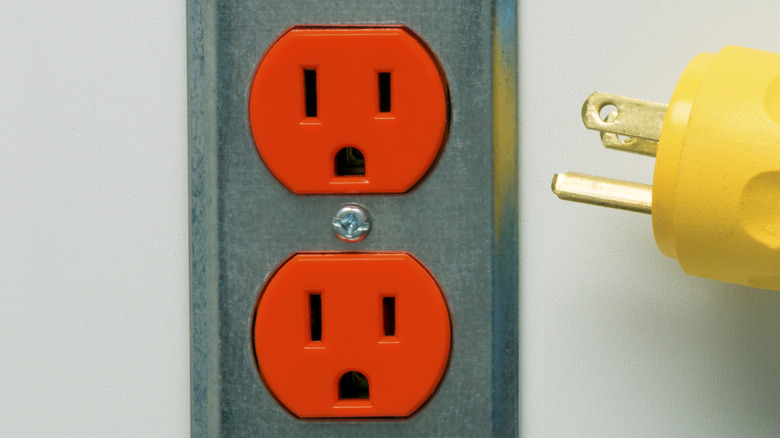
(351, 223)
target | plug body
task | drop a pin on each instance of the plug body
(715, 198)
(716, 185)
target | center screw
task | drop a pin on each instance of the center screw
(351, 223)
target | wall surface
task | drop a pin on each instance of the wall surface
(94, 313)
(616, 339)
(94, 323)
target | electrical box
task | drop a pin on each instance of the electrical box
(354, 201)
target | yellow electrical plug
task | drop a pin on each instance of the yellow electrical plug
(715, 198)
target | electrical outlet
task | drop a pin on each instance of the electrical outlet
(367, 106)
(416, 321)
(373, 343)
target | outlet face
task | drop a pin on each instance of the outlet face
(349, 109)
(352, 335)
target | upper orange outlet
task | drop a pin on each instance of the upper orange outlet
(349, 109)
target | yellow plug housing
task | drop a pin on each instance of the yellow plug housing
(715, 198)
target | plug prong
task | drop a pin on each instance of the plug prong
(605, 192)
(640, 120)
(634, 145)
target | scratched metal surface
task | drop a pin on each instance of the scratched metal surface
(461, 222)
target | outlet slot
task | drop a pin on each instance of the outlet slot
(310, 91)
(353, 385)
(315, 317)
(384, 92)
(388, 316)
(350, 162)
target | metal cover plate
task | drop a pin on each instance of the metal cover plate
(461, 222)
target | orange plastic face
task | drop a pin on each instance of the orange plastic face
(375, 92)
(322, 318)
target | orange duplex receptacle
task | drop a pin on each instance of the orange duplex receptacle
(352, 335)
(349, 109)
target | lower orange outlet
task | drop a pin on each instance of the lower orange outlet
(352, 335)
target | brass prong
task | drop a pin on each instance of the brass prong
(635, 118)
(603, 191)
(634, 145)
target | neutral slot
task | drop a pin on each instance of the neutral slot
(384, 93)
(388, 316)
(315, 316)
(310, 91)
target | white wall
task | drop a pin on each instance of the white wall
(94, 317)
(616, 340)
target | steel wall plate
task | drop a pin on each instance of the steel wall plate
(461, 222)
